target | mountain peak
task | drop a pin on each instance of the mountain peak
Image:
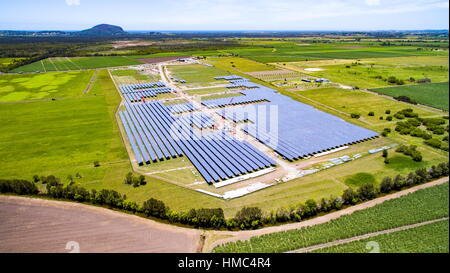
(103, 30)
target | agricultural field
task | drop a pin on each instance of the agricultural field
(372, 73)
(430, 238)
(290, 51)
(196, 75)
(242, 64)
(420, 206)
(76, 63)
(43, 86)
(433, 94)
(131, 76)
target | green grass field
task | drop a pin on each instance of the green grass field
(417, 207)
(290, 51)
(353, 101)
(7, 61)
(431, 238)
(197, 75)
(433, 94)
(372, 73)
(43, 86)
(205, 91)
(242, 64)
(76, 63)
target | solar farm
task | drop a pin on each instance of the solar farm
(238, 141)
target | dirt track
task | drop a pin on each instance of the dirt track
(35, 225)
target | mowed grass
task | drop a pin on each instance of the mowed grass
(372, 73)
(242, 64)
(420, 206)
(355, 101)
(42, 86)
(76, 63)
(197, 75)
(430, 238)
(433, 94)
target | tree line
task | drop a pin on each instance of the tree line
(245, 218)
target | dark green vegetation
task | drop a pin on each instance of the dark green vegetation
(430, 238)
(432, 94)
(417, 207)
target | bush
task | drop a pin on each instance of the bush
(248, 217)
(96, 164)
(386, 185)
(433, 142)
(20, 187)
(367, 192)
(355, 115)
(350, 197)
(387, 112)
(154, 207)
(371, 114)
(389, 118)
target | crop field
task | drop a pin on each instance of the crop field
(433, 94)
(276, 75)
(197, 75)
(242, 64)
(372, 73)
(76, 63)
(43, 86)
(270, 51)
(420, 206)
(430, 238)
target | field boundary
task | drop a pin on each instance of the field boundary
(365, 236)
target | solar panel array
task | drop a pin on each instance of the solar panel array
(181, 108)
(155, 134)
(301, 130)
(229, 78)
(201, 120)
(135, 92)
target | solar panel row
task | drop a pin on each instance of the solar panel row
(201, 120)
(301, 130)
(182, 107)
(217, 156)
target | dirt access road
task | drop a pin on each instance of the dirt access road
(36, 225)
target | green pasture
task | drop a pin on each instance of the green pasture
(205, 91)
(433, 94)
(197, 75)
(43, 86)
(242, 64)
(372, 73)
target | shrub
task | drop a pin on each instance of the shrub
(355, 115)
(367, 192)
(433, 142)
(386, 185)
(387, 112)
(371, 114)
(389, 118)
(96, 164)
(154, 207)
(349, 197)
(247, 217)
(21, 187)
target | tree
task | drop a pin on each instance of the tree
(355, 115)
(367, 192)
(36, 178)
(142, 180)
(386, 185)
(387, 112)
(154, 207)
(247, 215)
(399, 182)
(349, 197)
(371, 114)
(385, 153)
(129, 178)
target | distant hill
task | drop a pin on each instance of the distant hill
(103, 30)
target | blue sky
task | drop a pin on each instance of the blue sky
(225, 14)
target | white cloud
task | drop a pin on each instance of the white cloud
(73, 2)
(373, 2)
